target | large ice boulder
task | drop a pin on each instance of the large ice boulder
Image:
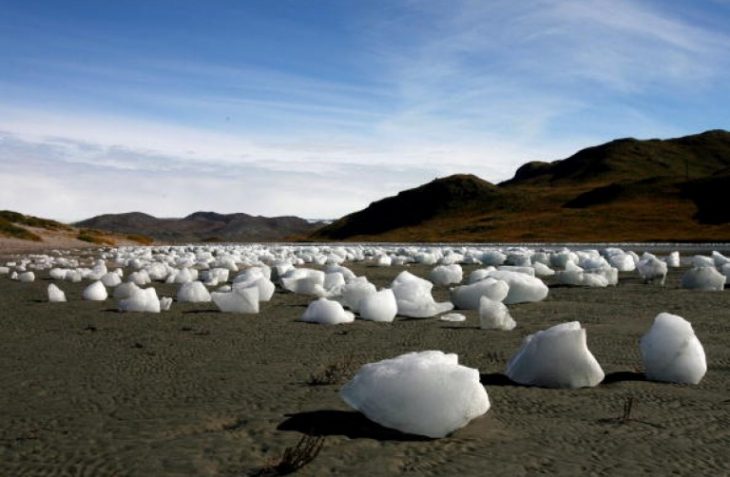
(671, 351)
(557, 357)
(466, 297)
(26, 277)
(494, 315)
(95, 292)
(703, 278)
(673, 259)
(352, 293)
(55, 294)
(238, 300)
(111, 279)
(379, 306)
(266, 287)
(142, 300)
(413, 295)
(327, 312)
(426, 393)
(193, 292)
(125, 290)
(305, 281)
(651, 269)
(446, 274)
(522, 288)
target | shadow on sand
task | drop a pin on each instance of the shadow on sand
(350, 424)
(622, 376)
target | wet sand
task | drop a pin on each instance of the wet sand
(89, 391)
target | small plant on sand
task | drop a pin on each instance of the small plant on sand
(293, 458)
(335, 373)
(626, 417)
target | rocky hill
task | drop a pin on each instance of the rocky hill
(203, 226)
(624, 190)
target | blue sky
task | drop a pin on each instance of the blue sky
(317, 108)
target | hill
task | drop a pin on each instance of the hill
(624, 190)
(203, 226)
(22, 233)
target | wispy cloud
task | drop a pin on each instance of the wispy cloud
(424, 89)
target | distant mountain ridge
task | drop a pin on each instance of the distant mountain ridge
(203, 226)
(623, 190)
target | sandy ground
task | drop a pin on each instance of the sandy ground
(88, 391)
(52, 240)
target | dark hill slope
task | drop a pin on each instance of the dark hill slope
(203, 226)
(624, 190)
(449, 195)
(629, 160)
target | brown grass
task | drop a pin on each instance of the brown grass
(95, 236)
(8, 229)
(294, 458)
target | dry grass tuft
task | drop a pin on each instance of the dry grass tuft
(336, 373)
(293, 458)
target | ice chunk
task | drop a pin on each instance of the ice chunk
(466, 297)
(379, 306)
(165, 303)
(446, 274)
(193, 292)
(238, 300)
(55, 294)
(426, 393)
(542, 270)
(111, 279)
(352, 293)
(651, 269)
(26, 277)
(557, 357)
(673, 259)
(95, 292)
(671, 351)
(494, 315)
(703, 278)
(413, 295)
(453, 317)
(522, 288)
(142, 300)
(125, 290)
(327, 312)
(702, 261)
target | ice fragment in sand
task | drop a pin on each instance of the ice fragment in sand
(466, 297)
(522, 288)
(95, 292)
(111, 279)
(494, 315)
(141, 300)
(165, 303)
(446, 274)
(557, 357)
(238, 300)
(352, 293)
(26, 277)
(673, 259)
(55, 294)
(453, 317)
(413, 295)
(703, 278)
(193, 292)
(651, 269)
(671, 351)
(379, 306)
(327, 312)
(426, 393)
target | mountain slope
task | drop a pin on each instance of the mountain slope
(624, 190)
(202, 226)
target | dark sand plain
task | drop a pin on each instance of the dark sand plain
(88, 391)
